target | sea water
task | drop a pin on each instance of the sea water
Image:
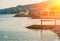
(14, 29)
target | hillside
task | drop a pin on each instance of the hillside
(12, 10)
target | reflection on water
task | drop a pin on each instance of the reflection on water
(14, 29)
(28, 36)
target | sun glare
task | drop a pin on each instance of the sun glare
(57, 2)
(52, 11)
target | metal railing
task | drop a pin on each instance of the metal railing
(50, 14)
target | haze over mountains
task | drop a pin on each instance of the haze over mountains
(12, 10)
(34, 7)
(17, 9)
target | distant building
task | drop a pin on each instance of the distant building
(43, 10)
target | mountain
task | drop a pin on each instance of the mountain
(17, 9)
(12, 10)
(34, 8)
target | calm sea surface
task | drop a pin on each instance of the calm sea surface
(14, 29)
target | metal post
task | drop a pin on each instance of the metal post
(55, 17)
(41, 21)
(55, 22)
(41, 29)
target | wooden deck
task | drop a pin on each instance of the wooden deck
(41, 27)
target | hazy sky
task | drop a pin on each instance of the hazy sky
(12, 3)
